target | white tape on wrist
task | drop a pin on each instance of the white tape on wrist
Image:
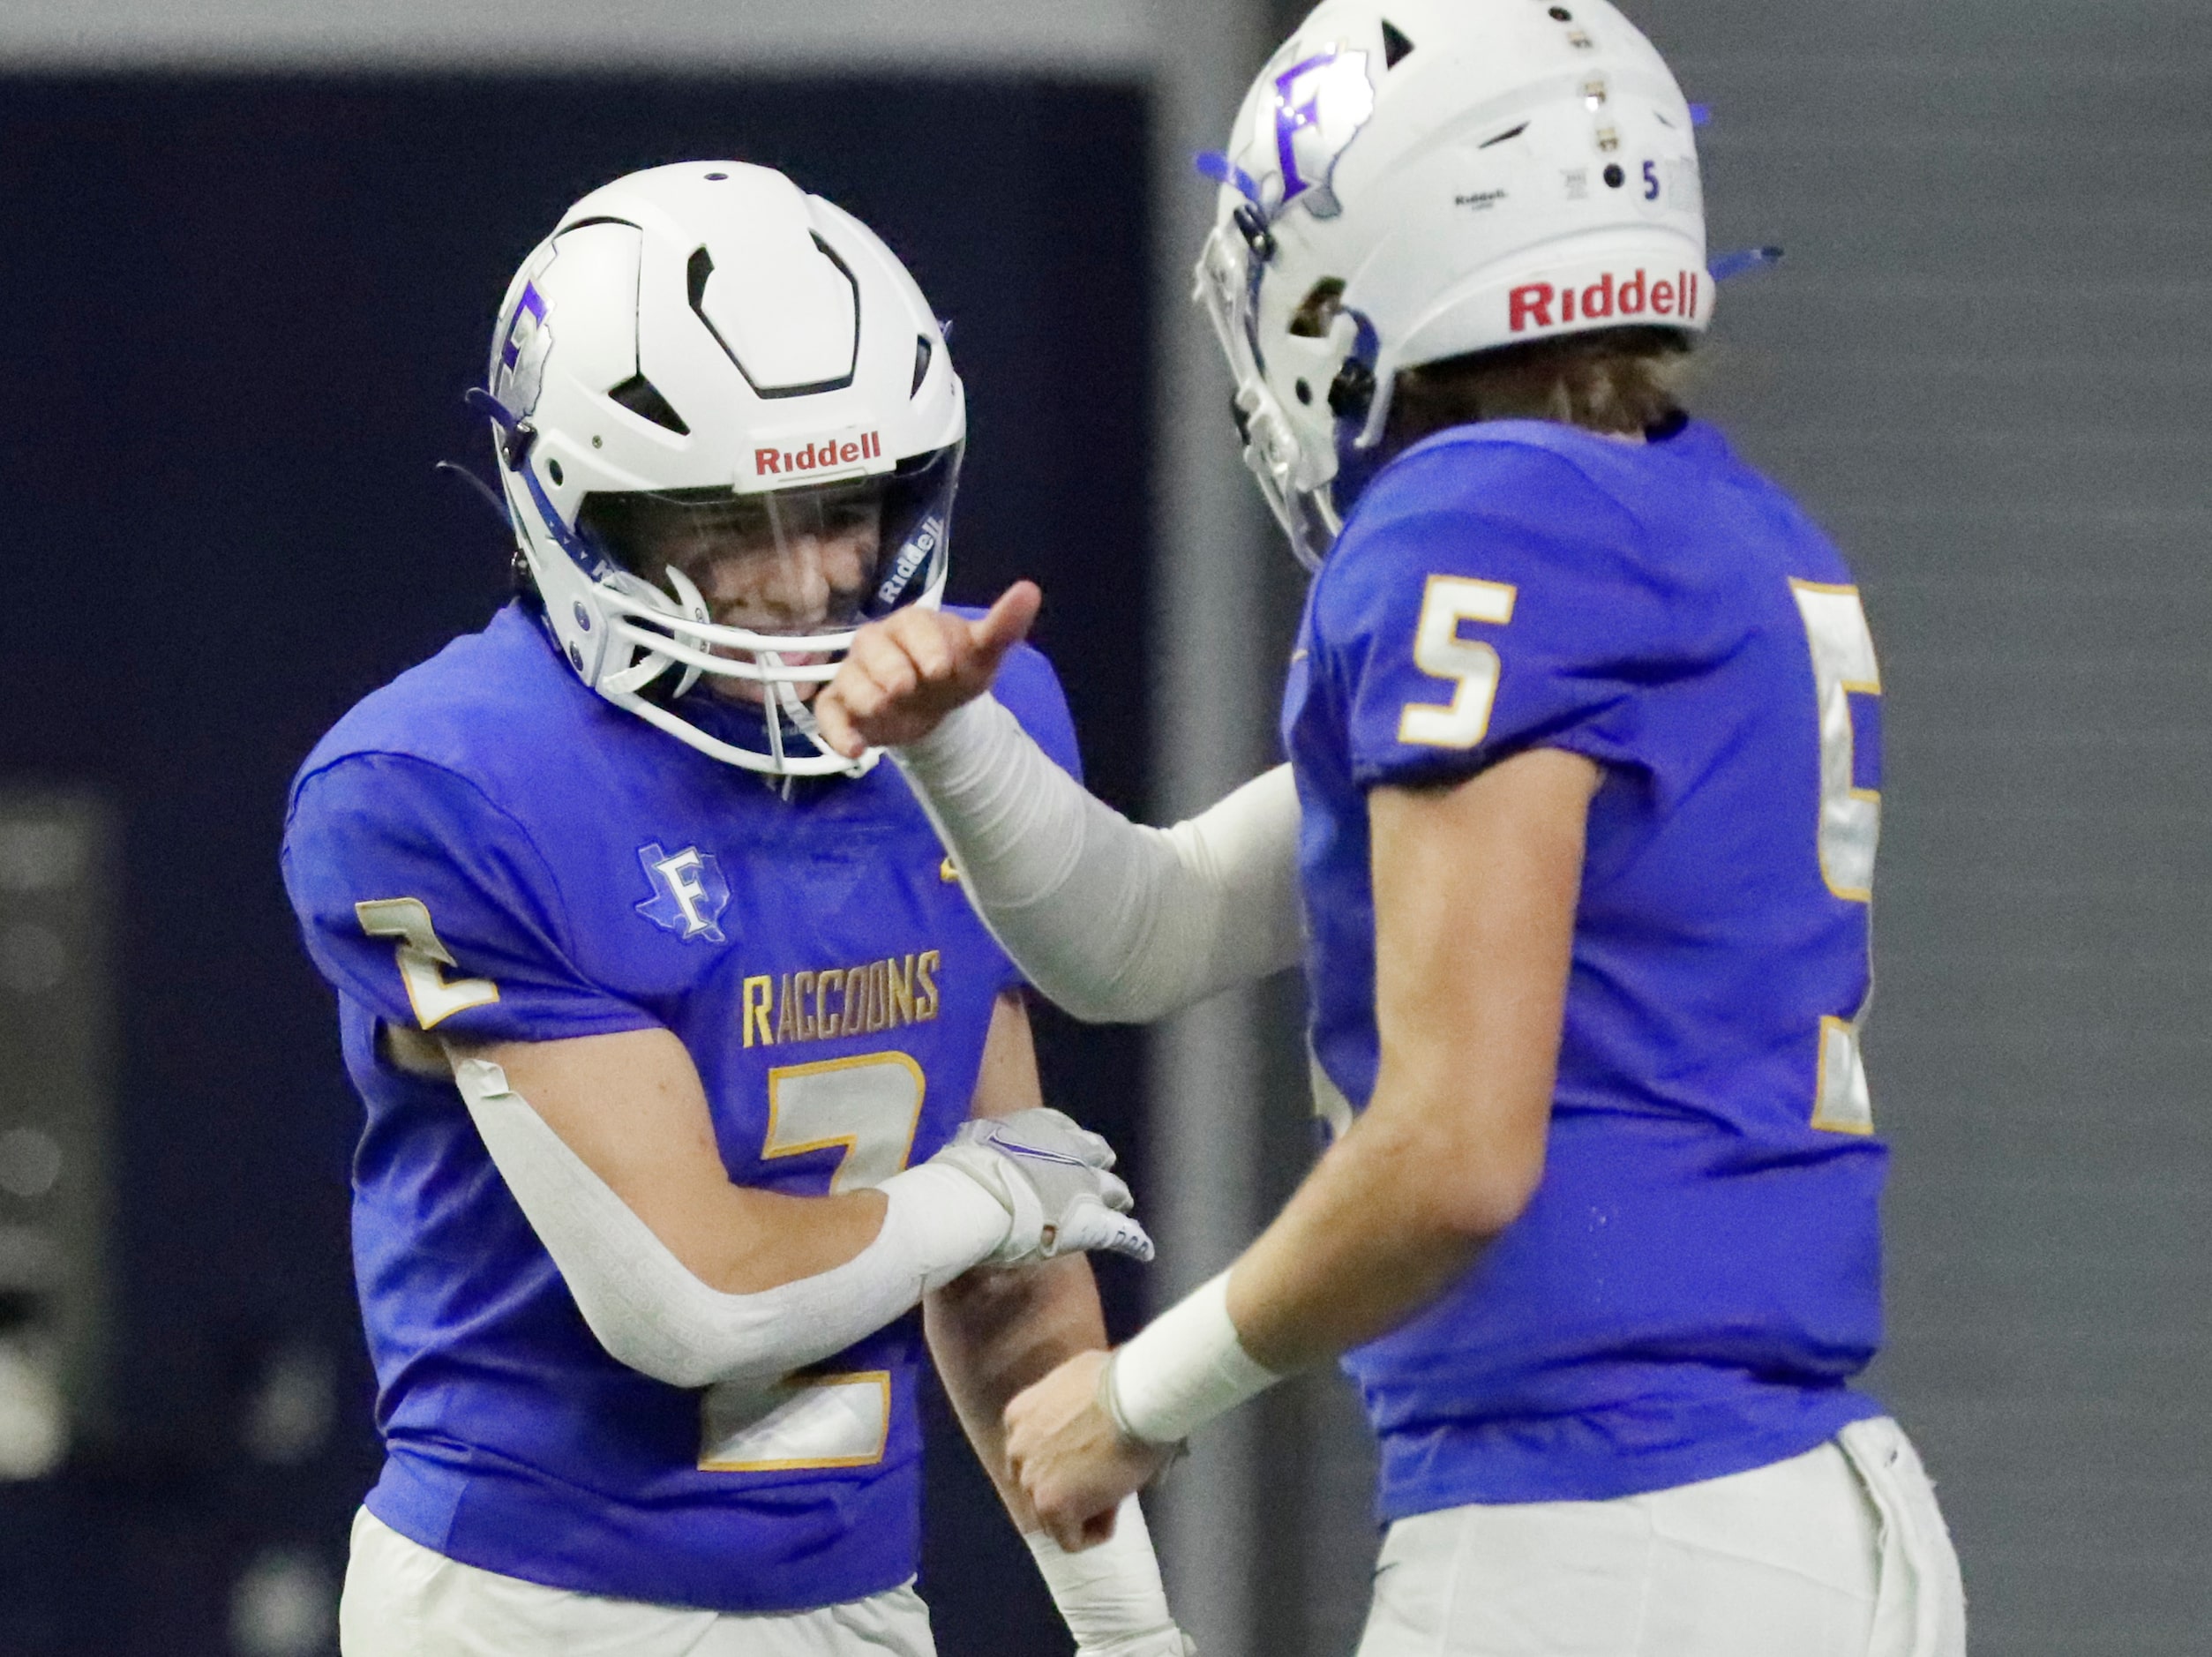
(1110, 1596)
(1184, 1369)
(1113, 921)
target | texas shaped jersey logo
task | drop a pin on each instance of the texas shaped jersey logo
(1320, 104)
(689, 892)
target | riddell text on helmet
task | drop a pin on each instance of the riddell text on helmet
(1541, 306)
(823, 456)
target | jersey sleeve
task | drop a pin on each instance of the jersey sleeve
(427, 903)
(1488, 599)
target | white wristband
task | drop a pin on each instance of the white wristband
(1186, 1367)
(1110, 1595)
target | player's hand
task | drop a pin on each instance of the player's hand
(1054, 1178)
(907, 671)
(1073, 1463)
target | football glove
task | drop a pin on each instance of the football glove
(1054, 1180)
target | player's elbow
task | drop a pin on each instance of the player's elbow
(1485, 1201)
(1469, 1187)
(658, 1353)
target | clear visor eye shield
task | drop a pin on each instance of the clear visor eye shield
(763, 591)
(766, 591)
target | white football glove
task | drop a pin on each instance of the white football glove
(1051, 1176)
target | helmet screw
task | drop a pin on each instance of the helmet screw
(1615, 177)
(575, 659)
(1560, 14)
(583, 617)
(1353, 393)
(1257, 237)
(552, 467)
(598, 442)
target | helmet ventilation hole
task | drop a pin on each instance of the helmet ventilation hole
(1305, 393)
(553, 470)
(923, 351)
(644, 399)
(1560, 14)
(1615, 177)
(1503, 137)
(1319, 309)
(1395, 46)
(716, 178)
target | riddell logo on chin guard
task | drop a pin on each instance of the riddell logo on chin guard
(836, 454)
(1610, 298)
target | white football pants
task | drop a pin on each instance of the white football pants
(401, 1600)
(1838, 1553)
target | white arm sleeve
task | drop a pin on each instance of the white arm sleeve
(1115, 922)
(650, 1313)
(1110, 1594)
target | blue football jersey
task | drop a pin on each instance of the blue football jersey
(1698, 1275)
(485, 849)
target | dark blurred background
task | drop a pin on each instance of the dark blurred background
(248, 258)
(250, 307)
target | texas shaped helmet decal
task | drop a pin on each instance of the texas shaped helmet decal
(1320, 104)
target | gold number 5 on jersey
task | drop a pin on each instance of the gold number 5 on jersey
(1473, 667)
(1850, 827)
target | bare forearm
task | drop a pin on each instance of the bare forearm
(993, 1333)
(1359, 1247)
(1475, 891)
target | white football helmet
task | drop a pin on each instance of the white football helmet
(1412, 180)
(714, 396)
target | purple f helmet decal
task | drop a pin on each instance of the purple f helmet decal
(522, 351)
(1320, 104)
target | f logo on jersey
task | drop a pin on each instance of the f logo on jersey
(689, 892)
(1320, 105)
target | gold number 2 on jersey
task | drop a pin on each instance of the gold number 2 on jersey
(1849, 828)
(422, 960)
(871, 1105)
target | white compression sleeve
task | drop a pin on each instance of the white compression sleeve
(1110, 1596)
(650, 1312)
(1115, 922)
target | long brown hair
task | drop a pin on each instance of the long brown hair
(1624, 380)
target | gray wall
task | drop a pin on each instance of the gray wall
(1984, 366)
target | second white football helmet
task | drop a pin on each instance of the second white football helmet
(701, 357)
(1413, 180)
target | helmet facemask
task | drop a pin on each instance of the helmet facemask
(754, 599)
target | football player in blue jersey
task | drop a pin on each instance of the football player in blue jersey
(1583, 798)
(689, 1072)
